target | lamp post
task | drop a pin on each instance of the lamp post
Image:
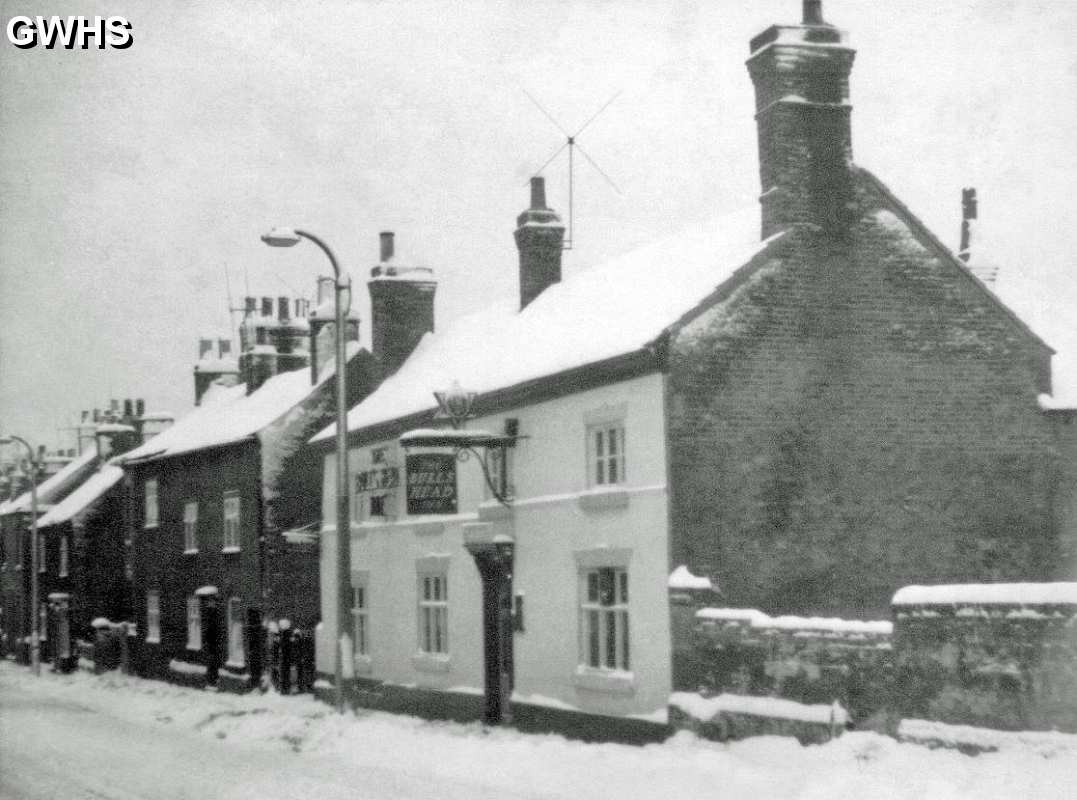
(288, 237)
(35, 637)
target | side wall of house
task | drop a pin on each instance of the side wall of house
(159, 557)
(855, 417)
(101, 586)
(1065, 424)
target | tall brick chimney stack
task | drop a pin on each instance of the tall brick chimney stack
(401, 306)
(801, 78)
(540, 238)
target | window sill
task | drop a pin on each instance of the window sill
(363, 665)
(232, 549)
(603, 498)
(607, 681)
(193, 552)
(432, 662)
(194, 649)
(428, 528)
(235, 665)
(153, 641)
(149, 527)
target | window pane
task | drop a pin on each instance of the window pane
(613, 441)
(592, 635)
(426, 630)
(592, 587)
(611, 639)
(624, 586)
(426, 588)
(600, 474)
(606, 586)
(625, 663)
(613, 470)
(599, 451)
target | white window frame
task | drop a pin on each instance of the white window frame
(606, 454)
(360, 617)
(605, 629)
(433, 596)
(231, 519)
(234, 620)
(151, 512)
(190, 526)
(153, 616)
(65, 557)
(194, 622)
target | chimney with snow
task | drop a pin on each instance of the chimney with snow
(321, 327)
(801, 77)
(401, 306)
(540, 239)
(210, 369)
(968, 215)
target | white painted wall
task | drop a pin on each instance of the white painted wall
(553, 530)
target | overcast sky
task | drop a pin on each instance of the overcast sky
(131, 179)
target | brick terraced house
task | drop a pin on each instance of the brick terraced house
(808, 406)
(214, 499)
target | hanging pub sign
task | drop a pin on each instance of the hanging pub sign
(431, 483)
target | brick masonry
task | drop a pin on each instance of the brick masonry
(856, 415)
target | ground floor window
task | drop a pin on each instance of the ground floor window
(235, 632)
(604, 619)
(153, 616)
(194, 623)
(359, 620)
(434, 613)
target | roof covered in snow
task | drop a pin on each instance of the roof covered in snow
(231, 416)
(84, 496)
(610, 310)
(988, 594)
(49, 491)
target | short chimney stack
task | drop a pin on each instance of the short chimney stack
(540, 238)
(968, 214)
(385, 240)
(401, 306)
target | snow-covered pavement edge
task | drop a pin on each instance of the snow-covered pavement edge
(507, 762)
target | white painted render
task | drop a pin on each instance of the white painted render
(560, 525)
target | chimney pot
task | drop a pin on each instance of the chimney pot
(128, 408)
(282, 309)
(250, 304)
(538, 193)
(813, 12)
(224, 347)
(204, 346)
(387, 246)
(140, 407)
(114, 405)
(267, 306)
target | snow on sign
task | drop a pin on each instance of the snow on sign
(431, 483)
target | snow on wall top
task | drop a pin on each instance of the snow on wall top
(987, 594)
(98, 483)
(606, 311)
(48, 490)
(758, 619)
(231, 416)
(682, 578)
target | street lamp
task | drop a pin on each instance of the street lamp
(35, 638)
(289, 237)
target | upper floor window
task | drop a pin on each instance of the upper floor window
(499, 472)
(64, 555)
(604, 619)
(151, 504)
(231, 521)
(606, 454)
(190, 526)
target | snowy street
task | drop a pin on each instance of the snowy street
(81, 736)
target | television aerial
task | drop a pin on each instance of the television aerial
(573, 145)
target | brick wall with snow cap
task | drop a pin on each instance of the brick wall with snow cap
(1000, 655)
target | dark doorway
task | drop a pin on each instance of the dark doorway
(212, 639)
(494, 561)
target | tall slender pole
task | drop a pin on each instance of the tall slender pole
(35, 631)
(343, 554)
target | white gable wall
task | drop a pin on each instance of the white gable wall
(560, 526)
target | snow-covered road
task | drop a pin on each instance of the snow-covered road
(81, 736)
